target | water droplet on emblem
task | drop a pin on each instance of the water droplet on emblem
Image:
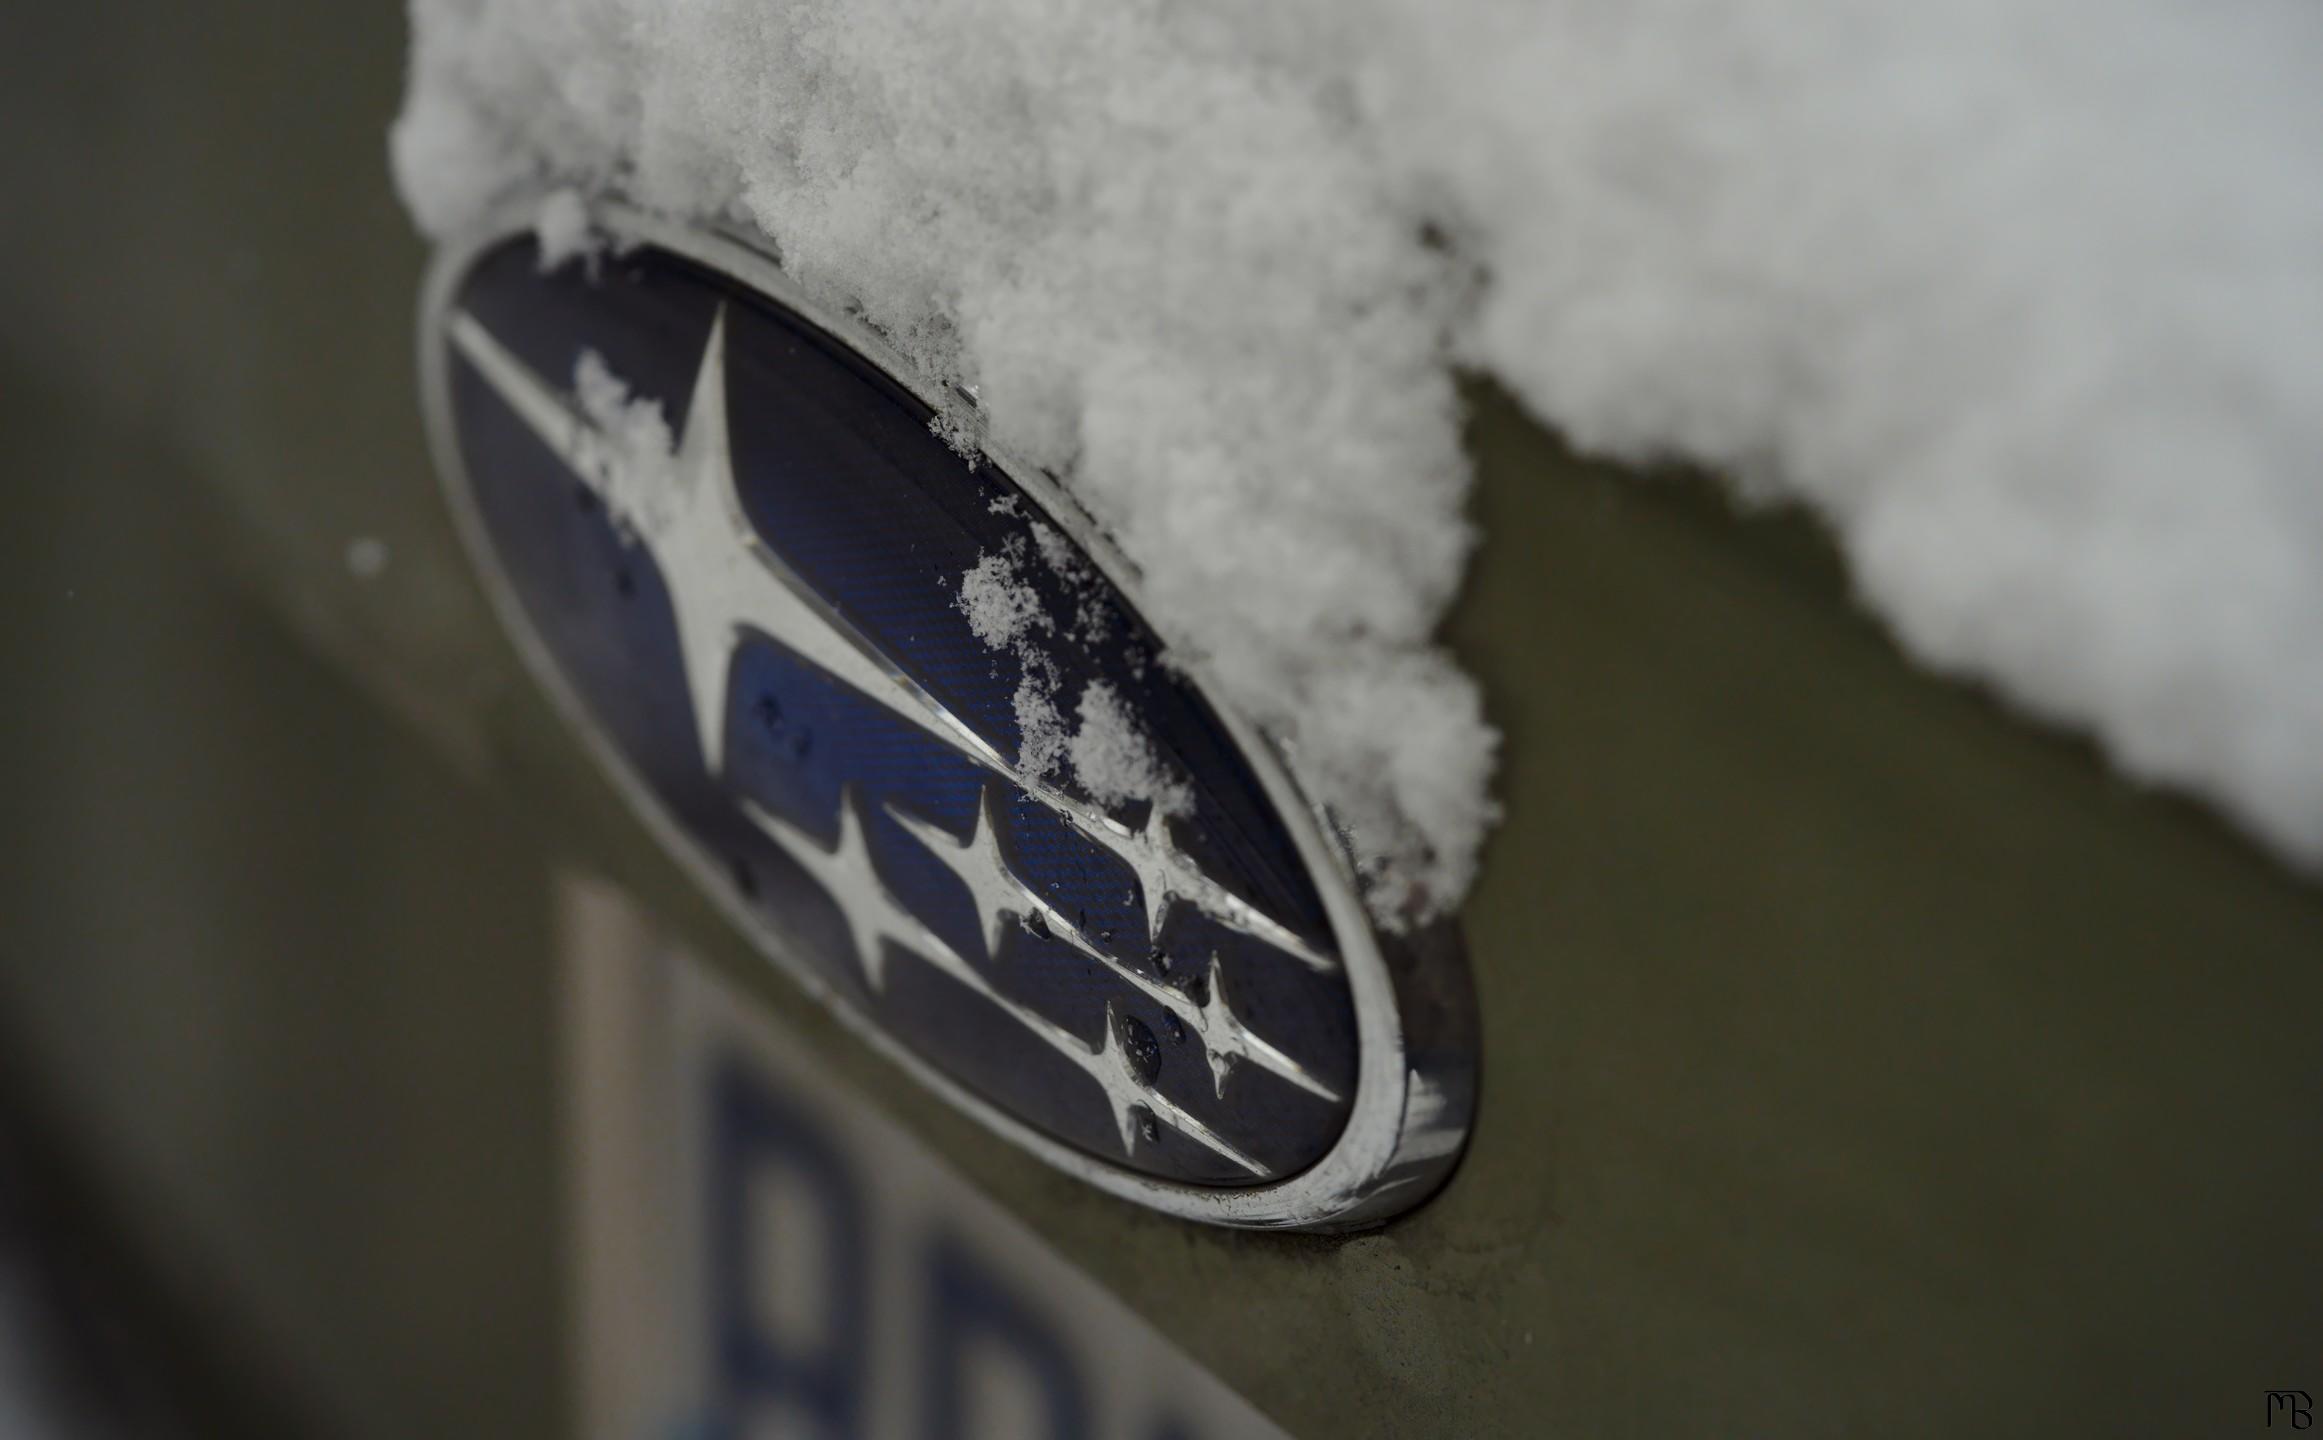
(1139, 1048)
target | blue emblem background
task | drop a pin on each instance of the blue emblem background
(842, 478)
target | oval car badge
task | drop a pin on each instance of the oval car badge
(752, 610)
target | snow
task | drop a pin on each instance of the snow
(563, 228)
(1001, 608)
(1043, 742)
(638, 482)
(1114, 760)
(2024, 297)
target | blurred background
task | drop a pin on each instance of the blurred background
(274, 1000)
(275, 1020)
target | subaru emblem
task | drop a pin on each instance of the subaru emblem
(736, 537)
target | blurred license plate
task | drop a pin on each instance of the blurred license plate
(759, 1252)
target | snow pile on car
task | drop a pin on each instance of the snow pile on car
(2024, 296)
